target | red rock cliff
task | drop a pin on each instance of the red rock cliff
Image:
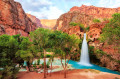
(63, 22)
(13, 19)
(97, 12)
(85, 15)
(35, 20)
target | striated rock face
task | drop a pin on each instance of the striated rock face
(64, 20)
(48, 23)
(95, 30)
(112, 60)
(13, 19)
(35, 20)
(85, 15)
(97, 12)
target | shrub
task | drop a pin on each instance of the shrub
(38, 61)
(90, 36)
(81, 26)
(105, 19)
(100, 52)
(48, 55)
(96, 21)
(87, 28)
(91, 49)
(46, 64)
(34, 65)
(73, 24)
(9, 72)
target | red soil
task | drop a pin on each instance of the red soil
(71, 74)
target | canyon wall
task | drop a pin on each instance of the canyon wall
(85, 15)
(35, 20)
(64, 20)
(13, 19)
(97, 12)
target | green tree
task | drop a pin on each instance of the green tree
(8, 48)
(111, 32)
(24, 51)
(111, 36)
(64, 45)
(40, 38)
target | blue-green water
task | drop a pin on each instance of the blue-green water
(76, 65)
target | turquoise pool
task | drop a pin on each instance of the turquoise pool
(76, 65)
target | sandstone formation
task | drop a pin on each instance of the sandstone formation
(13, 19)
(35, 20)
(48, 23)
(64, 20)
(97, 12)
(85, 15)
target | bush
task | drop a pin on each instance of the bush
(38, 61)
(91, 49)
(100, 52)
(9, 72)
(87, 28)
(42, 56)
(73, 24)
(40, 66)
(48, 63)
(81, 26)
(48, 55)
(34, 65)
(96, 21)
(105, 19)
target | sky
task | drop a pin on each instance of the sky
(52, 9)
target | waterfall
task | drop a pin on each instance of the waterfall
(84, 58)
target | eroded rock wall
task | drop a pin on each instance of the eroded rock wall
(13, 19)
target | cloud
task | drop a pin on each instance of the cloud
(42, 9)
(52, 9)
(109, 3)
(34, 5)
(88, 4)
(51, 13)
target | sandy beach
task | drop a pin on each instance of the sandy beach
(71, 74)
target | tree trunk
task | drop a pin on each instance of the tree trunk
(65, 68)
(51, 69)
(44, 64)
(28, 65)
(65, 72)
(47, 71)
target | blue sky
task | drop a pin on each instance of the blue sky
(52, 9)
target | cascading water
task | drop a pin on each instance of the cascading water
(84, 58)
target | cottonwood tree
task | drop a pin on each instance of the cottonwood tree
(64, 46)
(8, 48)
(40, 38)
(25, 52)
(111, 32)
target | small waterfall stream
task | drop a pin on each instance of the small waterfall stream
(84, 58)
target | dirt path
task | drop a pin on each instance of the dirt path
(71, 74)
